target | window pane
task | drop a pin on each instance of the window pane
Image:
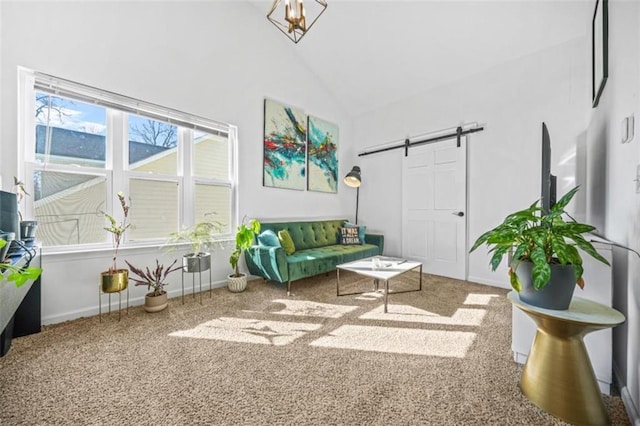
(154, 208)
(152, 146)
(213, 203)
(210, 156)
(69, 131)
(67, 208)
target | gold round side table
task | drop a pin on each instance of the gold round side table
(558, 376)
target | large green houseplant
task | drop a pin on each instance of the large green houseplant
(541, 244)
(245, 236)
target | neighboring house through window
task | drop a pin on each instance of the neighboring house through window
(81, 145)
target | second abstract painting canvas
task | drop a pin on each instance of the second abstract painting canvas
(322, 155)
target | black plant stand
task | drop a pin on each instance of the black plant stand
(193, 279)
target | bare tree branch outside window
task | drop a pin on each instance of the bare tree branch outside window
(47, 105)
(154, 133)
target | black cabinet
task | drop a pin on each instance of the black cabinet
(20, 308)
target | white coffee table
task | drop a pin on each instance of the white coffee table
(390, 268)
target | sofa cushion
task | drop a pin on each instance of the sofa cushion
(286, 242)
(349, 236)
(268, 238)
(306, 263)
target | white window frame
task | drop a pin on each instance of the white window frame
(116, 170)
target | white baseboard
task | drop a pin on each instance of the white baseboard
(632, 410)
(492, 283)
(135, 301)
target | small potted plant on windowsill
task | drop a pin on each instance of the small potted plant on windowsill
(546, 262)
(202, 237)
(245, 236)
(156, 300)
(115, 280)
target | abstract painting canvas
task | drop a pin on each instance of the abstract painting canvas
(285, 138)
(323, 155)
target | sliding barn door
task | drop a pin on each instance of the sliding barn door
(434, 198)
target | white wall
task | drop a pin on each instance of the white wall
(213, 59)
(613, 200)
(511, 101)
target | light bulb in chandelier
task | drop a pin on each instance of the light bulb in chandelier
(295, 16)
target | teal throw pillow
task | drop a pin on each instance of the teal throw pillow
(268, 238)
(286, 242)
(362, 230)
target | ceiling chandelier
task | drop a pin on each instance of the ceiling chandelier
(293, 18)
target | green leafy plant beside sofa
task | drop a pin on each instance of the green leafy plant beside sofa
(245, 236)
(541, 239)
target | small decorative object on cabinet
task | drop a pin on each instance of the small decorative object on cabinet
(245, 236)
(115, 280)
(156, 300)
(546, 265)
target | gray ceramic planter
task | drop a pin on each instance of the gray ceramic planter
(556, 294)
(196, 263)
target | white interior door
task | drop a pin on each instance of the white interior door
(434, 229)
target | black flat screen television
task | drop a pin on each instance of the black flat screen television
(548, 190)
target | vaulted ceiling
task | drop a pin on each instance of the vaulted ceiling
(373, 53)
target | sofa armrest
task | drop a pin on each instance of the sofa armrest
(267, 262)
(375, 239)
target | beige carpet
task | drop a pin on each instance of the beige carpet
(439, 357)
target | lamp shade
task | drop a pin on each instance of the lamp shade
(353, 177)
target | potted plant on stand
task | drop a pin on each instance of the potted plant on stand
(245, 236)
(546, 262)
(201, 236)
(156, 300)
(115, 280)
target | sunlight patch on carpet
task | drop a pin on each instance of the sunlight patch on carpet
(479, 299)
(451, 344)
(372, 295)
(408, 313)
(243, 330)
(308, 309)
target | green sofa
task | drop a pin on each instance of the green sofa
(318, 251)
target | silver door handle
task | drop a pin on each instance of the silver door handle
(458, 213)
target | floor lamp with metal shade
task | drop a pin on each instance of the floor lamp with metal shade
(354, 180)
